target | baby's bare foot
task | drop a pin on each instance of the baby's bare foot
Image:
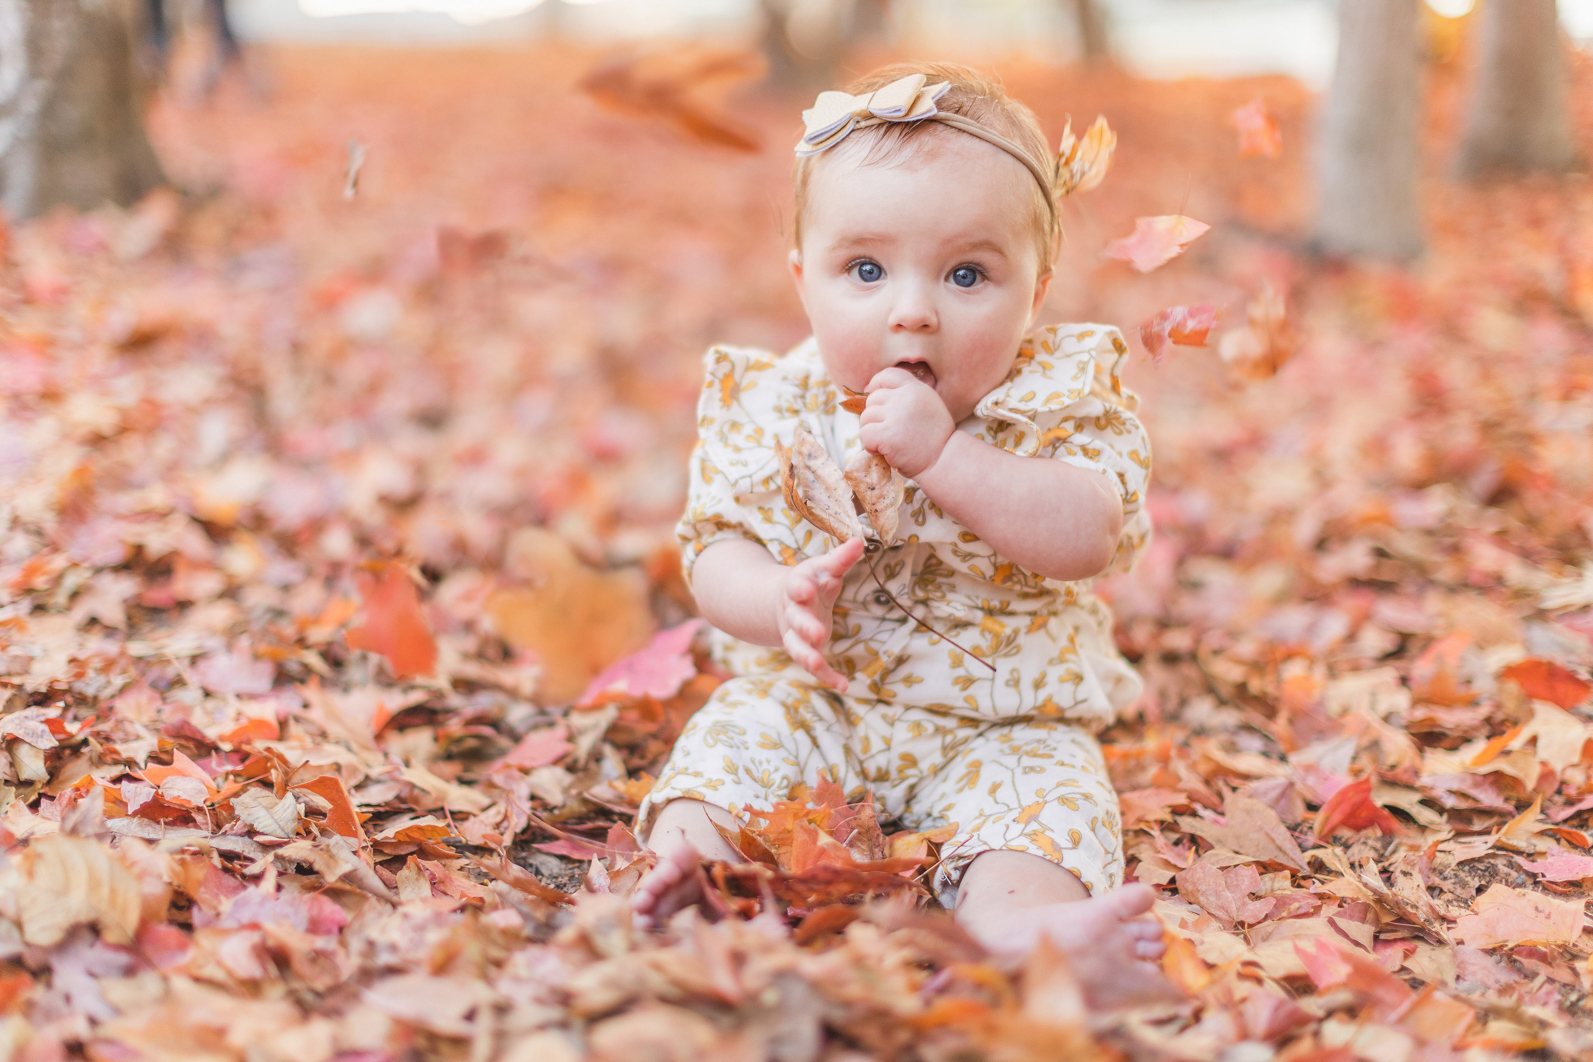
(1112, 949)
(675, 882)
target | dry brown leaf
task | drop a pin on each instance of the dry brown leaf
(275, 818)
(1081, 164)
(815, 488)
(74, 881)
(880, 490)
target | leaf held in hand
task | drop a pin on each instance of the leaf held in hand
(1081, 164)
(814, 487)
(879, 490)
(1184, 326)
(1156, 241)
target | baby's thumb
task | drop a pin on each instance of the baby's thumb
(839, 560)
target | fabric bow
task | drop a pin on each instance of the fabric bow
(835, 114)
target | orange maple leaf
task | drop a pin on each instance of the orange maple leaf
(394, 625)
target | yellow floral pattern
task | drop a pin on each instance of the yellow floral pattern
(1009, 756)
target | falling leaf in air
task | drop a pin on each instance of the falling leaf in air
(1260, 348)
(1156, 241)
(815, 488)
(879, 489)
(670, 85)
(1081, 164)
(394, 624)
(1184, 326)
(1258, 131)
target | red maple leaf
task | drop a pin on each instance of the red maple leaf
(394, 624)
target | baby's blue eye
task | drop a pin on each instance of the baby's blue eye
(868, 272)
(965, 276)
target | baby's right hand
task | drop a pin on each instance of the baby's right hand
(807, 606)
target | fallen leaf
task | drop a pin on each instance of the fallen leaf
(1156, 241)
(1352, 807)
(576, 620)
(1515, 916)
(1225, 894)
(394, 624)
(277, 818)
(657, 670)
(74, 881)
(1544, 680)
(1560, 865)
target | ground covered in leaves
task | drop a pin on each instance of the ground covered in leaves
(341, 625)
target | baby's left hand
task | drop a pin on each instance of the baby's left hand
(905, 422)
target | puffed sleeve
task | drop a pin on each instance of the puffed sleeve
(1068, 402)
(734, 477)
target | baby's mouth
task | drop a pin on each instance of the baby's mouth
(922, 372)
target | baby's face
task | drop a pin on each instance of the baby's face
(927, 262)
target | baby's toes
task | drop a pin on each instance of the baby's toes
(1150, 949)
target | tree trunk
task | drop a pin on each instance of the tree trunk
(71, 123)
(1093, 40)
(1518, 118)
(1370, 142)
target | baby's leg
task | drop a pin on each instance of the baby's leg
(683, 835)
(1009, 901)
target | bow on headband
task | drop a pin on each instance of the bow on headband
(1079, 166)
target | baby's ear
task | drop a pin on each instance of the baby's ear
(1041, 285)
(793, 262)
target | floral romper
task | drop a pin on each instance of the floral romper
(1010, 758)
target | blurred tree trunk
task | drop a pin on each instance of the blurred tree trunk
(71, 124)
(1518, 118)
(805, 40)
(1091, 20)
(1370, 141)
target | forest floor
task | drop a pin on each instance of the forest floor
(326, 498)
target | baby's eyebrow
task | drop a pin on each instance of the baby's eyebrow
(994, 247)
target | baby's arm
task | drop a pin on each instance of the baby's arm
(1055, 519)
(749, 595)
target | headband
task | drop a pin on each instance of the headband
(1080, 165)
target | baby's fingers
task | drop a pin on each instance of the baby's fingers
(812, 661)
(838, 561)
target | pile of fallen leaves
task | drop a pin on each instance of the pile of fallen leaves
(341, 629)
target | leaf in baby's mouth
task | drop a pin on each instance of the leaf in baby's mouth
(855, 401)
(814, 487)
(880, 491)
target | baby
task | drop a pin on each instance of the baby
(925, 228)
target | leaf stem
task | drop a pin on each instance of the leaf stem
(875, 575)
